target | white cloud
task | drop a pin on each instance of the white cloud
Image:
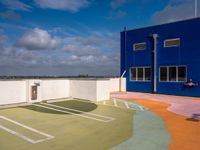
(67, 5)
(15, 5)
(37, 39)
(94, 44)
(175, 10)
(2, 38)
(96, 54)
(80, 50)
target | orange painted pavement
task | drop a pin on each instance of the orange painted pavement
(185, 133)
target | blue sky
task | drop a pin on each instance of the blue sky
(72, 37)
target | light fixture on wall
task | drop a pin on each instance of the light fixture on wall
(37, 83)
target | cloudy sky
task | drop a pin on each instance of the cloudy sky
(72, 37)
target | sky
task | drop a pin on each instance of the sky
(75, 37)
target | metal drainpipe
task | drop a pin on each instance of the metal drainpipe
(155, 36)
(120, 79)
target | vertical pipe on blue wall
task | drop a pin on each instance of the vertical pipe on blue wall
(155, 36)
(124, 48)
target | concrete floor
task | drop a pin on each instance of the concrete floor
(181, 116)
(186, 106)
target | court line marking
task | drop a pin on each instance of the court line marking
(68, 112)
(104, 102)
(26, 127)
(126, 104)
(115, 103)
(86, 101)
(137, 105)
(67, 108)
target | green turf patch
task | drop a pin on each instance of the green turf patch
(40, 109)
(79, 105)
(70, 131)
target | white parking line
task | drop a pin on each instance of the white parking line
(87, 101)
(126, 104)
(68, 112)
(115, 103)
(66, 108)
(26, 127)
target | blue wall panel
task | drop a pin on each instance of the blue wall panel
(187, 54)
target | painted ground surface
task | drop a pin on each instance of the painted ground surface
(182, 121)
(189, 107)
(82, 125)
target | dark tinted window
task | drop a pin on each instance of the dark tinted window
(172, 43)
(147, 74)
(140, 74)
(133, 73)
(139, 46)
(163, 73)
(181, 73)
(172, 73)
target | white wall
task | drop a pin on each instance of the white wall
(20, 91)
(103, 90)
(123, 84)
(12, 92)
(95, 90)
(115, 84)
(52, 89)
(83, 89)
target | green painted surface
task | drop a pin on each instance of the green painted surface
(71, 132)
(150, 133)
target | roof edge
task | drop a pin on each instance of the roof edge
(138, 28)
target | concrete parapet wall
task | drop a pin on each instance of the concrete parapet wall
(20, 91)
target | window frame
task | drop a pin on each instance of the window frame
(166, 40)
(177, 75)
(143, 79)
(134, 46)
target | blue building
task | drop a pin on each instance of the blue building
(163, 59)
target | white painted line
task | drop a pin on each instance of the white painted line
(104, 102)
(67, 108)
(86, 101)
(137, 105)
(26, 127)
(68, 112)
(17, 134)
(141, 108)
(59, 100)
(115, 103)
(126, 104)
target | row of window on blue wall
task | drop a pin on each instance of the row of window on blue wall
(167, 43)
(166, 74)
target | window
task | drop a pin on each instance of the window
(172, 42)
(133, 74)
(140, 74)
(139, 46)
(163, 73)
(173, 74)
(181, 73)
(147, 74)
